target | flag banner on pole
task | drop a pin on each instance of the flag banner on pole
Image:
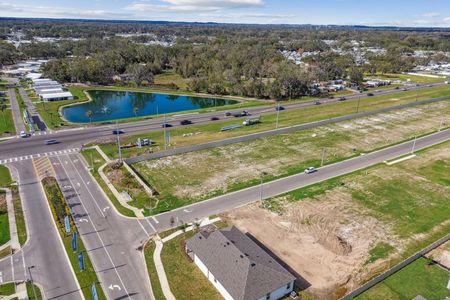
(67, 224)
(94, 292)
(81, 260)
(74, 241)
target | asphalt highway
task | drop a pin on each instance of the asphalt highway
(75, 138)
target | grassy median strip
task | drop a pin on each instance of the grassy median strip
(4, 223)
(95, 161)
(7, 289)
(60, 209)
(20, 218)
(154, 280)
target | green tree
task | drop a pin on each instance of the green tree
(89, 114)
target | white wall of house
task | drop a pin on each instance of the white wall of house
(212, 279)
(280, 292)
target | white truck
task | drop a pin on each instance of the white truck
(251, 121)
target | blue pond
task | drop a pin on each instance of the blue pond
(113, 105)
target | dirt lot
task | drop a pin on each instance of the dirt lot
(330, 237)
(191, 176)
(442, 254)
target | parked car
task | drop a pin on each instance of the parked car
(331, 97)
(227, 114)
(397, 87)
(215, 119)
(23, 134)
(342, 99)
(186, 122)
(166, 125)
(370, 94)
(404, 89)
(310, 170)
(317, 103)
(279, 108)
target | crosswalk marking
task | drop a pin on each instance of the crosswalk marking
(38, 155)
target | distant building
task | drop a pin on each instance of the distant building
(237, 266)
(56, 96)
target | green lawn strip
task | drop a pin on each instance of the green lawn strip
(4, 223)
(171, 78)
(418, 278)
(59, 210)
(20, 102)
(5, 176)
(5, 252)
(7, 289)
(7, 123)
(154, 280)
(211, 131)
(30, 291)
(186, 279)
(95, 161)
(20, 218)
(124, 181)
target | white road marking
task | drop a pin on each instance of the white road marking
(154, 219)
(106, 208)
(83, 220)
(115, 286)
(187, 210)
(1, 277)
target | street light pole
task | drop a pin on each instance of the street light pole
(32, 282)
(164, 129)
(323, 157)
(414, 144)
(118, 142)
(261, 189)
(278, 114)
(357, 107)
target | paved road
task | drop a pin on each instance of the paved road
(112, 242)
(43, 249)
(281, 186)
(32, 110)
(17, 114)
(74, 138)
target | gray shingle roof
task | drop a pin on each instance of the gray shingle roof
(244, 269)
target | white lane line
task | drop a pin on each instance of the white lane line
(95, 229)
(154, 219)
(143, 228)
(12, 269)
(151, 225)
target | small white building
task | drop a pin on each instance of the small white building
(56, 96)
(237, 267)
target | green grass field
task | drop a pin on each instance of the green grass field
(20, 218)
(405, 77)
(7, 123)
(181, 273)
(171, 78)
(4, 224)
(7, 289)
(5, 176)
(418, 278)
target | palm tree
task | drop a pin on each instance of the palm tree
(135, 110)
(2, 108)
(89, 114)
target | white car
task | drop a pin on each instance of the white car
(23, 134)
(310, 170)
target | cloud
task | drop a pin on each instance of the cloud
(431, 15)
(9, 9)
(193, 5)
(422, 22)
(446, 20)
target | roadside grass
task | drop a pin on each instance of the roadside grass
(59, 210)
(182, 273)
(5, 252)
(5, 176)
(7, 123)
(20, 102)
(123, 181)
(7, 289)
(4, 223)
(95, 161)
(418, 278)
(20, 218)
(154, 280)
(31, 293)
(405, 77)
(197, 134)
(188, 178)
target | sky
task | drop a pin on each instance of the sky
(418, 13)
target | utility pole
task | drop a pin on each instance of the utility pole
(359, 100)
(118, 141)
(414, 144)
(32, 282)
(164, 129)
(441, 124)
(278, 114)
(323, 157)
(261, 188)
